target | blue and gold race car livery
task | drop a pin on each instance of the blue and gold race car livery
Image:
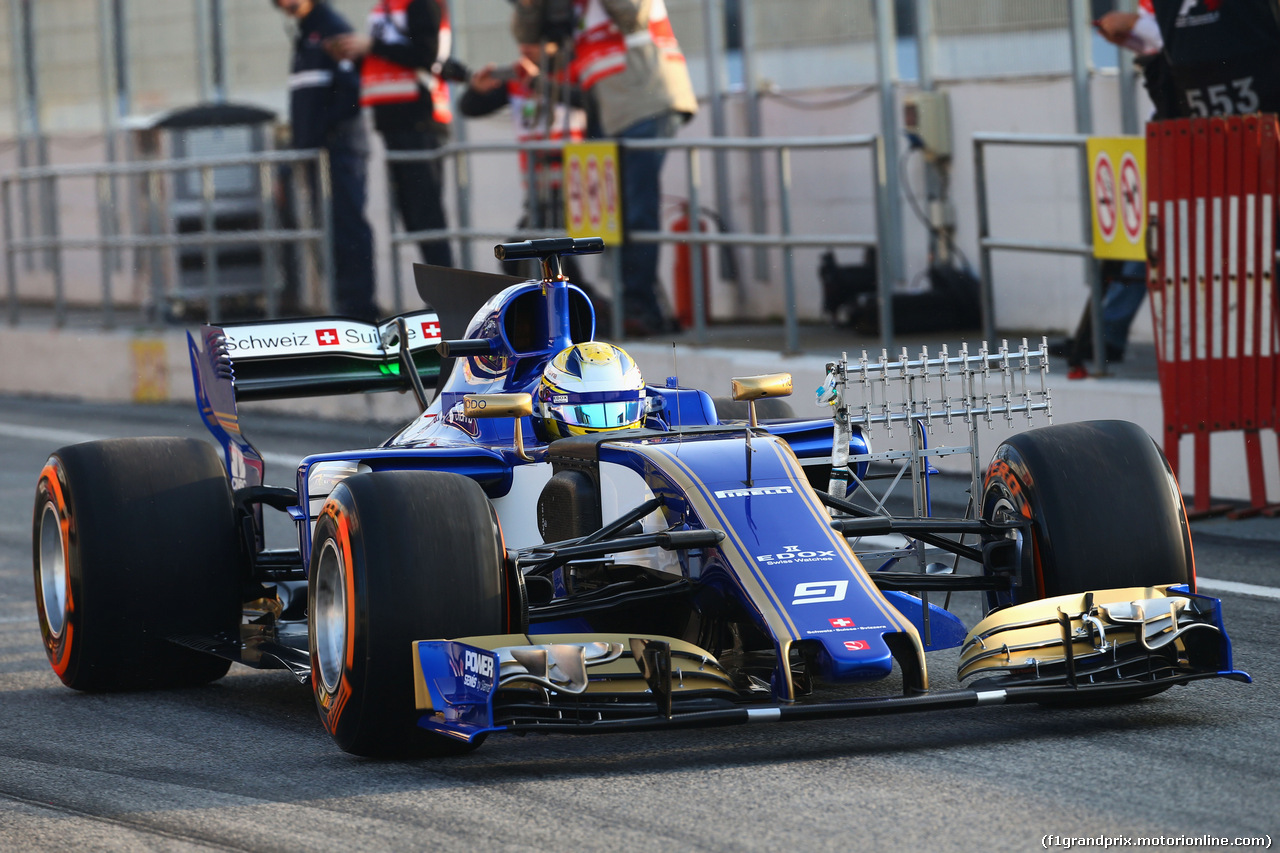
(487, 571)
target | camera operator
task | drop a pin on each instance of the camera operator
(405, 65)
(626, 56)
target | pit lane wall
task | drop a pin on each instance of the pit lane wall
(147, 367)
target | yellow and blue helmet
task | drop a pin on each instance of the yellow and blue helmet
(591, 387)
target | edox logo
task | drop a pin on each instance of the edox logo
(793, 554)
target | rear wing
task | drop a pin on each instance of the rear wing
(277, 359)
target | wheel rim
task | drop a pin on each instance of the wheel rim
(53, 570)
(1005, 505)
(330, 618)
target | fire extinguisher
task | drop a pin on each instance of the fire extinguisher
(682, 272)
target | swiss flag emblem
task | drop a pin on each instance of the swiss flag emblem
(327, 337)
(431, 329)
(842, 622)
(855, 645)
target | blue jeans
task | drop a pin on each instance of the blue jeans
(1121, 301)
(641, 210)
(1124, 284)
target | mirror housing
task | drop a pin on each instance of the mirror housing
(752, 388)
(515, 406)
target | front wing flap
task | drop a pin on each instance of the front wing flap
(1135, 633)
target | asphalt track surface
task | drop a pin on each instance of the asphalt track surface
(244, 765)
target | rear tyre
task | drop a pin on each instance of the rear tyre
(1105, 509)
(135, 541)
(397, 556)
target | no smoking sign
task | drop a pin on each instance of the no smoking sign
(1117, 196)
(1131, 205)
(591, 194)
(1104, 195)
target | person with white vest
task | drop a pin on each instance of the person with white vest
(625, 56)
(403, 64)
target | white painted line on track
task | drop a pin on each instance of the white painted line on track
(56, 438)
(1211, 585)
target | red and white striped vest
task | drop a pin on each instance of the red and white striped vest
(385, 82)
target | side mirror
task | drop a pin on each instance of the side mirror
(752, 388)
(501, 406)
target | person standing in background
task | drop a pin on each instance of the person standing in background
(1124, 283)
(626, 56)
(324, 112)
(1198, 58)
(543, 107)
(1224, 54)
(405, 59)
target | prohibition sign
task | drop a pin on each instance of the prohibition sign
(1104, 188)
(593, 192)
(1131, 197)
(575, 194)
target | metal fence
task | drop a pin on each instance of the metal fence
(155, 239)
(988, 244)
(785, 237)
(155, 235)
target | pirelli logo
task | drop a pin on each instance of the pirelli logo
(762, 490)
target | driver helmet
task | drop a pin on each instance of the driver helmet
(591, 387)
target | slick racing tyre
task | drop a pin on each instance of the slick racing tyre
(397, 556)
(1104, 507)
(135, 541)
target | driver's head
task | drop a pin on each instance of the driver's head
(591, 387)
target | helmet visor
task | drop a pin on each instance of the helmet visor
(598, 415)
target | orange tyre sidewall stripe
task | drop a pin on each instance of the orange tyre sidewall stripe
(59, 648)
(333, 704)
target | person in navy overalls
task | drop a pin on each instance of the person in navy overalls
(324, 112)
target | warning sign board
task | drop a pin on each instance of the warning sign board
(1117, 170)
(592, 195)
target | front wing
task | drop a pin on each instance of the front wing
(1107, 645)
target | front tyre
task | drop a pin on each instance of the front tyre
(397, 556)
(1104, 507)
(1105, 513)
(134, 541)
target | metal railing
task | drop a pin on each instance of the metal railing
(158, 237)
(1084, 249)
(784, 237)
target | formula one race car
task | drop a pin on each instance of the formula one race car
(556, 546)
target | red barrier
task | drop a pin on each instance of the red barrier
(1212, 187)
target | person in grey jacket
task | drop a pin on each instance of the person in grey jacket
(625, 55)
